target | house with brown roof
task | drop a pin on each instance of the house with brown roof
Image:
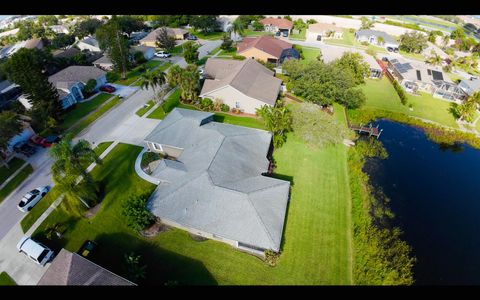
(321, 31)
(267, 49)
(151, 39)
(242, 84)
(275, 25)
(72, 269)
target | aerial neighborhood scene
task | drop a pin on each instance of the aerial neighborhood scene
(180, 150)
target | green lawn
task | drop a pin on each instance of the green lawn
(310, 53)
(13, 165)
(300, 36)
(381, 95)
(230, 52)
(15, 182)
(253, 33)
(84, 123)
(82, 109)
(51, 196)
(241, 121)
(145, 108)
(135, 73)
(158, 69)
(5, 279)
(207, 35)
(348, 39)
(416, 56)
(177, 50)
(316, 243)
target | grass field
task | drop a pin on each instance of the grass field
(6, 280)
(145, 108)
(82, 109)
(13, 165)
(84, 123)
(51, 196)
(15, 182)
(381, 95)
(135, 73)
(300, 36)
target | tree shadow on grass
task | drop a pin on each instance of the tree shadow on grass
(162, 265)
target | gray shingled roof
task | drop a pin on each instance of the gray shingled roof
(76, 74)
(216, 186)
(72, 269)
(91, 41)
(103, 60)
(369, 32)
(248, 76)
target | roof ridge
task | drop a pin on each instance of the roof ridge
(116, 275)
(261, 220)
(239, 71)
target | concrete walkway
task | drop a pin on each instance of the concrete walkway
(141, 173)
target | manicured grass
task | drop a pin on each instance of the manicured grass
(231, 52)
(316, 247)
(145, 108)
(84, 123)
(5, 279)
(163, 67)
(82, 109)
(177, 50)
(348, 39)
(250, 32)
(15, 182)
(381, 95)
(416, 56)
(170, 103)
(158, 113)
(135, 73)
(237, 120)
(207, 35)
(215, 50)
(51, 196)
(13, 165)
(310, 53)
(300, 36)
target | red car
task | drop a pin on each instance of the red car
(108, 89)
(40, 141)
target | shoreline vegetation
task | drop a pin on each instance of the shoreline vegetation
(380, 255)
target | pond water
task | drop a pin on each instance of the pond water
(435, 195)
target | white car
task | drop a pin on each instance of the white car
(31, 198)
(36, 251)
(162, 54)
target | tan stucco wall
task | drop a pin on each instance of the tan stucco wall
(149, 44)
(257, 54)
(230, 95)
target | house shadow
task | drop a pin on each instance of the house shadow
(283, 177)
(163, 267)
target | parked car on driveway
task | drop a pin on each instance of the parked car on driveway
(36, 251)
(41, 141)
(162, 54)
(31, 198)
(191, 37)
(24, 148)
(108, 88)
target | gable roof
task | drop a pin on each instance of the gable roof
(386, 37)
(76, 74)
(152, 36)
(217, 185)
(247, 76)
(72, 269)
(267, 44)
(280, 23)
(70, 52)
(91, 41)
(473, 84)
(323, 27)
(103, 60)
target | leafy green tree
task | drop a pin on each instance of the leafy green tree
(10, 126)
(190, 53)
(315, 127)
(432, 35)
(354, 98)
(114, 43)
(278, 120)
(311, 21)
(467, 110)
(174, 75)
(151, 79)
(189, 83)
(458, 33)
(62, 40)
(164, 40)
(288, 18)
(354, 63)
(86, 27)
(237, 27)
(129, 24)
(70, 175)
(135, 271)
(413, 42)
(226, 43)
(205, 23)
(257, 26)
(137, 215)
(139, 58)
(434, 58)
(366, 23)
(90, 86)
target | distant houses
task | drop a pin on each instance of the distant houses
(151, 39)
(322, 31)
(267, 49)
(377, 38)
(89, 43)
(275, 25)
(470, 86)
(244, 85)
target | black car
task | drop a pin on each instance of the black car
(52, 139)
(192, 38)
(24, 148)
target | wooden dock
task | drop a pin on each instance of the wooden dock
(370, 130)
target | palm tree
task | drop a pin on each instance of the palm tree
(174, 75)
(189, 83)
(278, 120)
(445, 40)
(236, 29)
(69, 171)
(151, 79)
(434, 59)
(380, 40)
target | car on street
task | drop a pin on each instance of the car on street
(192, 37)
(162, 54)
(31, 198)
(108, 88)
(36, 251)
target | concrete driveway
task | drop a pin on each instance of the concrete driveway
(124, 91)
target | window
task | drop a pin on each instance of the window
(157, 147)
(237, 104)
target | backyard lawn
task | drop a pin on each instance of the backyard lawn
(6, 280)
(82, 109)
(145, 108)
(381, 95)
(15, 182)
(135, 73)
(13, 165)
(316, 247)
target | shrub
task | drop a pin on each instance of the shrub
(225, 108)
(149, 157)
(206, 103)
(139, 58)
(400, 92)
(271, 257)
(365, 43)
(90, 86)
(201, 61)
(351, 30)
(138, 216)
(112, 76)
(299, 50)
(238, 57)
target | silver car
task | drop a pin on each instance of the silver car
(31, 198)
(36, 251)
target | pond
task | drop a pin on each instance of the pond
(434, 192)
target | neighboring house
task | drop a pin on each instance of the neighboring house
(417, 76)
(68, 53)
(322, 31)
(69, 268)
(89, 43)
(372, 37)
(242, 84)
(470, 86)
(267, 48)
(23, 136)
(104, 63)
(9, 92)
(59, 29)
(34, 43)
(274, 25)
(151, 39)
(9, 33)
(148, 52)
(213, 182)
(135, 37)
